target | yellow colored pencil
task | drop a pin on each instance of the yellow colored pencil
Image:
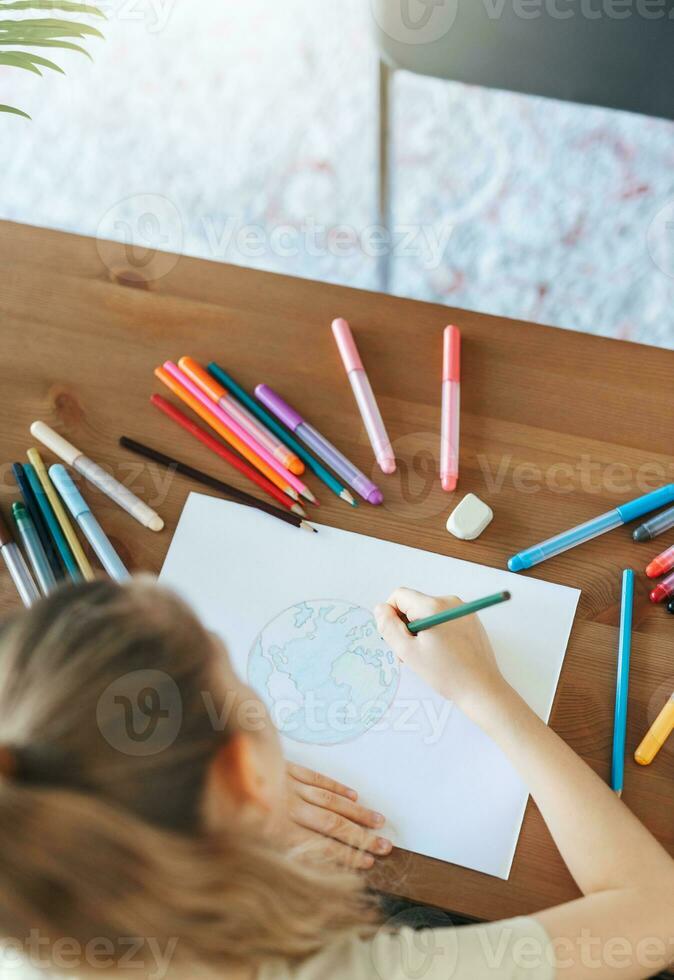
(61, 516)
(660, 730)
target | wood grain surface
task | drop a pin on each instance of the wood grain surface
(557, 427)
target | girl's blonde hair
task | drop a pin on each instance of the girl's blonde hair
(100, 841)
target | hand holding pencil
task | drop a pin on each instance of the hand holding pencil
(456, 660)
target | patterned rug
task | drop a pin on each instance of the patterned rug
(246, 132)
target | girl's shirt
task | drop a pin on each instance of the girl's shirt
(516, 949)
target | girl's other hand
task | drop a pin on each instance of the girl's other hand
(325, 813)
(455, 659)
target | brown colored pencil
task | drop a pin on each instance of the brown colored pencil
(214, 484)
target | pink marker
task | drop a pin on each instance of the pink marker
(362, 390)
(451, 409)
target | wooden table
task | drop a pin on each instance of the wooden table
(557, 428)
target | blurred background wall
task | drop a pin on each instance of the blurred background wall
(245, 131)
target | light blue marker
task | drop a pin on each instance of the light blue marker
(622, 682)
(630, 511)
(90, 527)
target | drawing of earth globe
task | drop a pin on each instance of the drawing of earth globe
(323, 671)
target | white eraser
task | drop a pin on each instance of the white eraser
(470, 518)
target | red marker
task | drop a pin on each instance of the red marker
(662, 564)
(451, 409)
(663, 591)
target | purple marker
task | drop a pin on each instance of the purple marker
(320, 445)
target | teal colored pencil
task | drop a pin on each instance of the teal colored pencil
(267, 419)
(622, 682)
(458, 612)
(53, 526)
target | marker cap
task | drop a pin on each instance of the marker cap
(68, 491)
(451, 359)
(644, 505)
(665, 590)
(20, 512)
(52, 440)
(202, 378)
(281, 409)
(347, 345)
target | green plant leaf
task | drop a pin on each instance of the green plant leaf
(48, 26)
(28, 60)
(56, 44)
(14, 112)
(66, 5)
(42, 32)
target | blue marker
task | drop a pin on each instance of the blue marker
(90, 527)
(592, 529)
(622, 682)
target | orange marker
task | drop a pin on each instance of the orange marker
(224, 432)
(196, 373)
(662, 564)
(660, 730)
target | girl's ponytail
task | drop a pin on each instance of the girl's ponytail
(85, 886)
(104, 860)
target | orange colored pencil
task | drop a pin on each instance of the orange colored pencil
(230, 422)
(224, 432)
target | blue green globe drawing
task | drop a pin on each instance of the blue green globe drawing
(323, 671)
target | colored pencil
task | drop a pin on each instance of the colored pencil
(215, 391)
(210, 481)
(52, 525)
(622, 682)
(37, 520)
(83, 562)
(261, 413)
(458, 612)
(224, 432)
(239, 431)
(172, 412)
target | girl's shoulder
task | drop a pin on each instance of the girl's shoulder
(516, 949)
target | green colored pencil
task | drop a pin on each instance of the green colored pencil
(286, 437)
(52, 524)
(458, 612)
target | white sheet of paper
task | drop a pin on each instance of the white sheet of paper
(447, 790)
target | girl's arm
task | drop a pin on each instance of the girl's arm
(624, 926)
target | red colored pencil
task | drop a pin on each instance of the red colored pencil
(221, 450)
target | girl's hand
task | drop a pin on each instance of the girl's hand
(456, 659)
(327, 814)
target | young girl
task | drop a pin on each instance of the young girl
(148, 821)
